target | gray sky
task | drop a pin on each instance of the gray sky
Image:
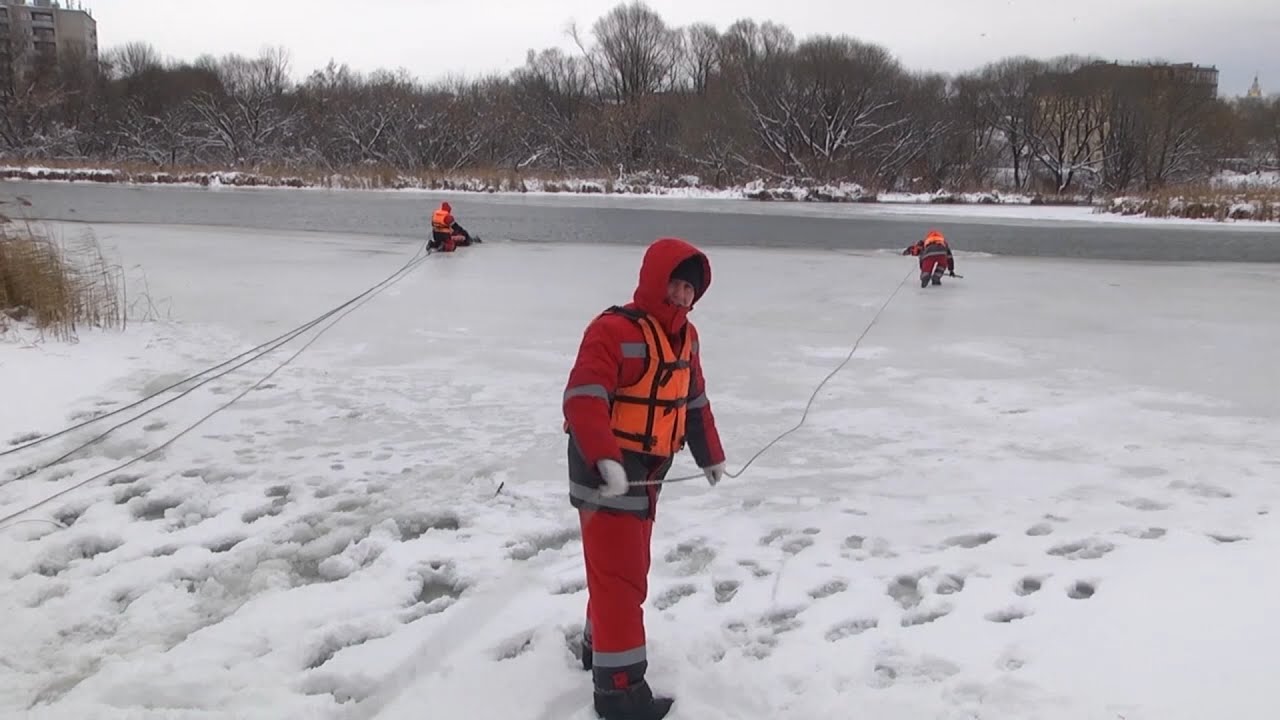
(432, 38)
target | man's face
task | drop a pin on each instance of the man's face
(680, 293)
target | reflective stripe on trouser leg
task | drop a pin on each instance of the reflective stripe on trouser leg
(616, 552)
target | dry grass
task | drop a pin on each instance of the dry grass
(57, 286)
(1202, 202)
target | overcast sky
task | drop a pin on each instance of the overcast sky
(432, 38)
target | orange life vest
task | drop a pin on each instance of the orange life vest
(442, 221)
(649, 415)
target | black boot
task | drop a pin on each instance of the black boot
(586, 653)
(635, 703)
(924, 280)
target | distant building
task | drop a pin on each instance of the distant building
(1204, 79)
(1255, 90)
(33, 31)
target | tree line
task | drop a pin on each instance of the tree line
(638, 95)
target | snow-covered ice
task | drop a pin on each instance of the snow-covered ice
(1041, 491)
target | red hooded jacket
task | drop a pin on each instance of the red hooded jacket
(600, 363)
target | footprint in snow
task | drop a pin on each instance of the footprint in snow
(24, 438)
(1040, 529)
(531, 546)
(792, 543)
(970, 541)
(414, 526)
(1007, 615)
(894, 666)
(725, 590)
(759, 638)
(755, 568)
(332, 642)
(690, 557)
(514, 647)
(859, 548)
(570, 587)
(923, 616)
(828, 589)
(1082, 590)
(1090, 549)
(1144, 504)
(850, 628)
(1202, 489)
(668, 599)
(1028, 586)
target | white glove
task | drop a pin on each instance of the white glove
(714, 473)
(615, 478)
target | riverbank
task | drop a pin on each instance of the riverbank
(1230, 197)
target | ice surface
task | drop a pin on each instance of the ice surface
(1041, 491)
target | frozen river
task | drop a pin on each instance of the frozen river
(1004, 230)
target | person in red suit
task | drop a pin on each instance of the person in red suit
(635, 396)
(446, 234)
(935, 258)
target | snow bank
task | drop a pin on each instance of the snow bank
(1260, 180)
(636, 184)
(101, 175)
(1219, 208)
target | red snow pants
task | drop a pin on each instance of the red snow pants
(929, 263)
(615, 547)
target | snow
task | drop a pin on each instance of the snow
(1041, 491)
(1259, 180)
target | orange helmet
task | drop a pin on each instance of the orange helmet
(934, 237)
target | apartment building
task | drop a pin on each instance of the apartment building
(33, 31)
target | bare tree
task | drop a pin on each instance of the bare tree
(1067, 121)
(551, 93)
(251, 115)
(636, 53)
(1009, 104)
(971, 144)
(1176, 121)
(844, 104)
(701, 56)
(753, 60)
(133, 59)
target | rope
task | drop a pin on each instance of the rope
(364, 297)
(488, 604)
(812, 397)
(257, 352)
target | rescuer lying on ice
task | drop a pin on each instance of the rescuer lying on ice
(935, 258)
(633, 397)
(446, 234)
